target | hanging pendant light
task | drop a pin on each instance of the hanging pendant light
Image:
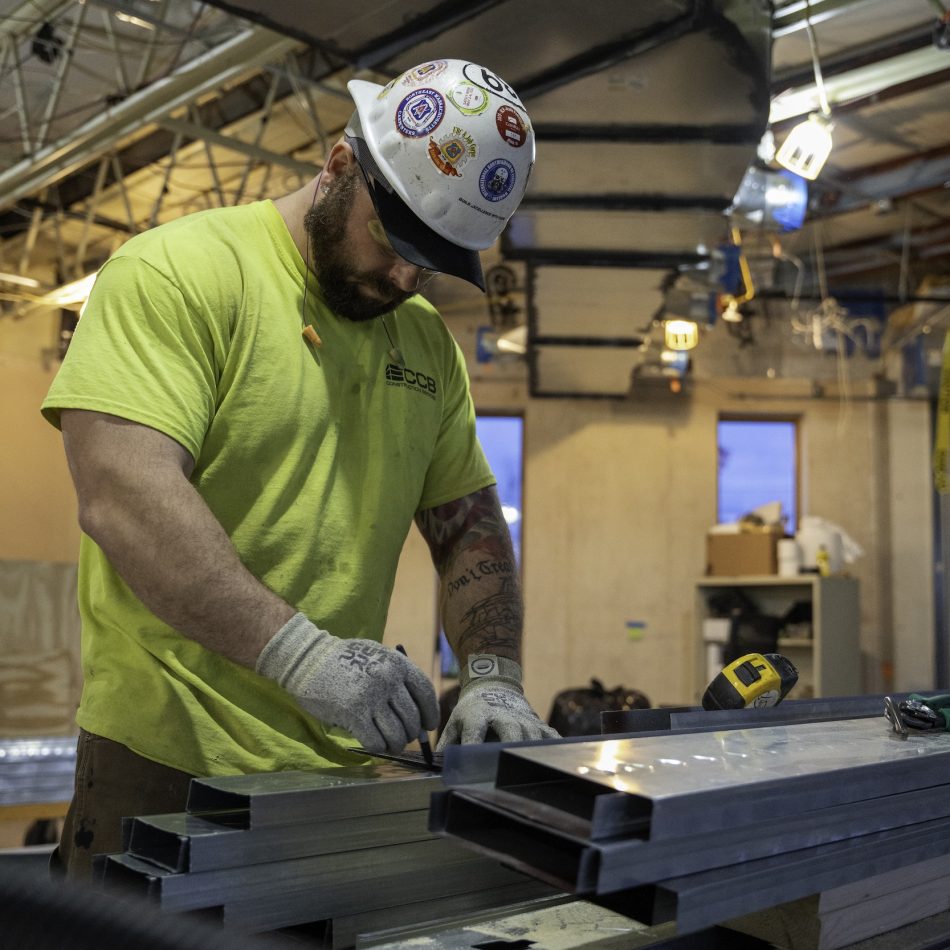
(808, 145)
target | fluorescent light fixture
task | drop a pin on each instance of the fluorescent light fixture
(807, 147)
(858, 83)
(70, 296)
(133, 20)
(680, 334)
(19, 281)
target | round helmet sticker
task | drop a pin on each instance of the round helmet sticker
(420, 113)
(511, 126)
(488, 80)
(452, 152)
(423, 73)
(468, 98)
(497, 180)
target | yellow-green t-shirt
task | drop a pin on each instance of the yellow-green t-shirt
(314, 460)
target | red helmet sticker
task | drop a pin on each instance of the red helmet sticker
(511, 127)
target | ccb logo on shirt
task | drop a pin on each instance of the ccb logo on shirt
(410, 379)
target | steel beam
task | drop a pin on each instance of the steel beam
(25, 18)
(249, 50)
(194, 130)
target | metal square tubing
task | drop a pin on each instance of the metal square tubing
(287, 797)
(182, 842)
(699, 782)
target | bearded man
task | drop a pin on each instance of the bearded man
(255, 407)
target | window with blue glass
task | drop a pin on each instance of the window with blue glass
(501, 438)
(502, 441)
(758, 464)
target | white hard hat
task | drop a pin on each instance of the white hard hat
(451, 142)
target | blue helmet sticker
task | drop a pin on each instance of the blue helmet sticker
(497, 180)
(420, 113)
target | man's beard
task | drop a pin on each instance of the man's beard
(341, 281)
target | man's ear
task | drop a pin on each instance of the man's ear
(339, 161)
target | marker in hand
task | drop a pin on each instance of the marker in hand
(423, 735)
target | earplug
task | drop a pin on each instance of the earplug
(311, 335)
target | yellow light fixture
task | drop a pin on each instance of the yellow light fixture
(680, 334)
(807, 147)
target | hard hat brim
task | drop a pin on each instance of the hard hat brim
(411, 237)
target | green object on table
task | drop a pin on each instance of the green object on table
(940, 704)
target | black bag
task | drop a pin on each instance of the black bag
(576, 712)
(751, 633)
(750, 630)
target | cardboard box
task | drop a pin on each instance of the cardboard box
(748, 552)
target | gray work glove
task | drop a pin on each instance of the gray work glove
(492, 699)
(376, 694)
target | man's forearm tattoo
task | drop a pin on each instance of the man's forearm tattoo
(493, 625)
(476, 573)
(474, 522)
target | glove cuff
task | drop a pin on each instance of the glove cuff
(488, 666)
(284, 651)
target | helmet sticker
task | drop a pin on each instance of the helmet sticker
(452, 152)
(386, 89)
(488, 80)
(497, 180)
(420, 113)
(468, 98)
(423, 73)
(511, 126)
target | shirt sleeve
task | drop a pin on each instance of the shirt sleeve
(458, 466)
(140, 353)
